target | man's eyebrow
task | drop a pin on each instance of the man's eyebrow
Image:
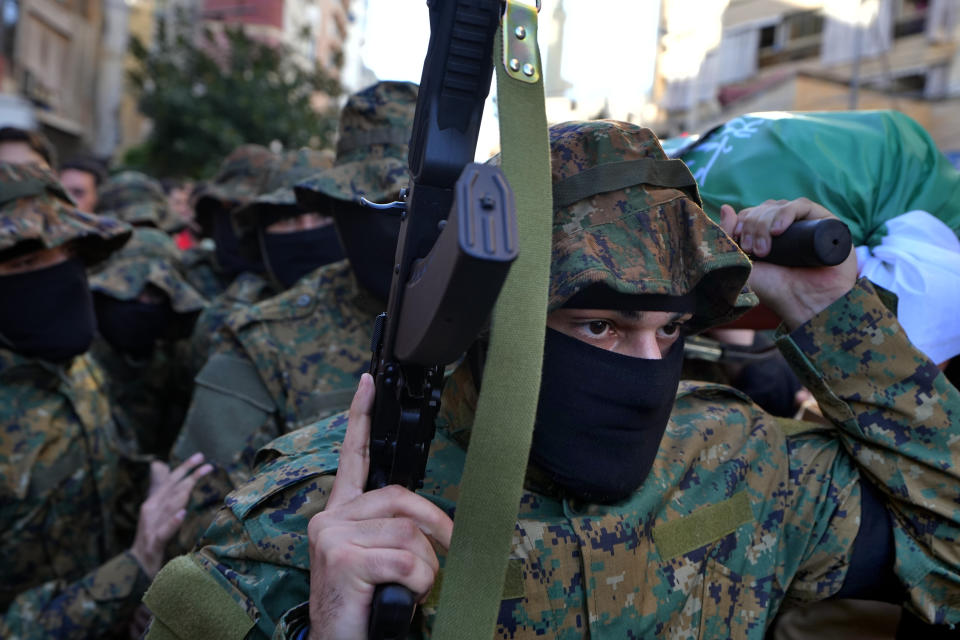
(633, 314)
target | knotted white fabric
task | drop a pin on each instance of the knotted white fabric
(919, 260)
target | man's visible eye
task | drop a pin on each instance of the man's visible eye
(598, 327)
(671, 330)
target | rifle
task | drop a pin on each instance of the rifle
(458, 237)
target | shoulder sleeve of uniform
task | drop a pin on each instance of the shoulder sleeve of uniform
(822, 514)
(257, 549)
(94, 604)
(188, 603)
(899, 421)
(230, 402)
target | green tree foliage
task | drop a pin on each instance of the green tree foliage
(209, 90)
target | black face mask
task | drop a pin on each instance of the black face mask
(47, 313)
(601, 417)
(132, 327)
(290, 256)
(230, 257)
(370, 240)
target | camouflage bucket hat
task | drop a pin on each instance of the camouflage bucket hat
(36, 213)
(628, 217)
(278, 200)
(134, 198)
(150, 257)
(374, 135)
(239, 180)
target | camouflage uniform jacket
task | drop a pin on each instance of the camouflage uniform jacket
(65, 573)
(307, 347)
(248, 288)
(739, 514)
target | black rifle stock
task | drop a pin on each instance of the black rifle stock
(458, 237)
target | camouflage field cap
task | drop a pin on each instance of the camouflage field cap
(617, 222)
(134, 198)
(151, 257)
(374, 135)
(36, 213)
(278, 200)
(239, 180)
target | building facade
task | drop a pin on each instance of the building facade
(807, 55)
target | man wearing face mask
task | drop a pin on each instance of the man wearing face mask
(302, 352)
(145, 312)
(69, 568)
(273, 229)
(650, 510)
(241, 280)
(295, 358)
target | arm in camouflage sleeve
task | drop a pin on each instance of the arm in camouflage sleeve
(88, 608)
(899, 419)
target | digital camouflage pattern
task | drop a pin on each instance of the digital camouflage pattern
(737, 518)
(150, 395)
(378, 121)
(149, 258)
(62, 485)
(36, 213)
(239, 180)
(309, 346)
(134, 198)
(246, 289)
(68, 484)
(603, 240)
(740, 514)
(374, 134)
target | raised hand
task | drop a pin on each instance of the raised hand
(796, 294)
(163, 511)
(361, 540)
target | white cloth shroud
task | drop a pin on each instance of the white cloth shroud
(919, 260)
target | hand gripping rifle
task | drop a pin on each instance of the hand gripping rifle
(458, 237)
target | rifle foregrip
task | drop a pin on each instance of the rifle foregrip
(811, 243)
(391, 612)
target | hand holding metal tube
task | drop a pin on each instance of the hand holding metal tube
(784, 276)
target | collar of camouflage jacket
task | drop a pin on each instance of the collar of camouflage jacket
(14, 365)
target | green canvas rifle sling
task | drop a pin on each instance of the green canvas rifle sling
(500, 439)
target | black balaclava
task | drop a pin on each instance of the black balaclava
(230, 257)
(601, 417)
(132, 327)
(290, 256)
(601, 414)
(47, 313)
(369, 237)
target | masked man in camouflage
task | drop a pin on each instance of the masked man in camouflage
(274, 231)
(297, 357)
(225, 276)
(68, 572)
(650, 510)
(145, 312)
